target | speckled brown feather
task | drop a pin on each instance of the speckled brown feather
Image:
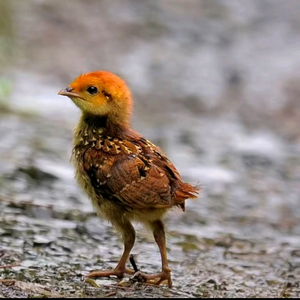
(127, 169)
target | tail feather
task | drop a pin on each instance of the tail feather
(186, 191)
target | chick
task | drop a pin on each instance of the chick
(126, 177)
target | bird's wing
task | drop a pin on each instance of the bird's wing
(160, 159)
(128, 172)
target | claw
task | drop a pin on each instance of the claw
(155, 279)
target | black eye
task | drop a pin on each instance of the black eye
(92, 90)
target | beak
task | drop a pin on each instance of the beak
(67, 92)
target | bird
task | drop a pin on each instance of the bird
(127, 178)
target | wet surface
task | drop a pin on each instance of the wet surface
(240, 239)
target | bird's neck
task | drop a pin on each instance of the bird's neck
(89, 124)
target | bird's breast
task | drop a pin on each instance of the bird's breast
(82, 177)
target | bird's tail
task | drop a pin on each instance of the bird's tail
(186, 191)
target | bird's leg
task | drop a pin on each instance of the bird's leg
(165, 274)
(128, 234)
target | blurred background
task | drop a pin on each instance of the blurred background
(216, 84)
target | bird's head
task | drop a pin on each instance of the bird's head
(101, 93)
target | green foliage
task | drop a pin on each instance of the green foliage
(5, 93)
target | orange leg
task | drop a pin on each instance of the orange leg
(128, 233)
(165, 274)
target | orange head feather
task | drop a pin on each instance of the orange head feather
(101, 93)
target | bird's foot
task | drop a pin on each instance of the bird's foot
(106, 273)
(157, 279)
